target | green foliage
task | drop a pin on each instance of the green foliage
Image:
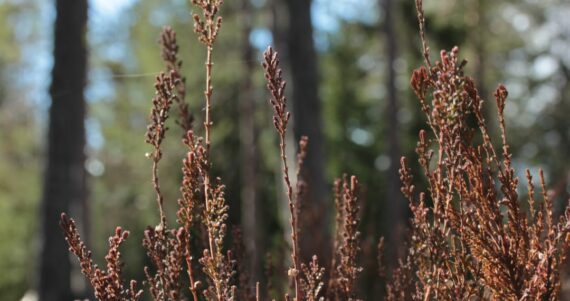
(20, 172)
(19, 192)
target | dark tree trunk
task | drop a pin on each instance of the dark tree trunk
(396, 206)
(64, 182)
(315, 217)
(251, 219)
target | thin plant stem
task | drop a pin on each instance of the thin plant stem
(159, 197)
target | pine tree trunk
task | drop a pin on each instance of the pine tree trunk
(396, 206)
(64, 182)
(251, 219)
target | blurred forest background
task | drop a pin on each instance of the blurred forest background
(350, 93)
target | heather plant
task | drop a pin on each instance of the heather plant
(202, 199)
(471, 235)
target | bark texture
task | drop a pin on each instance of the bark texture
(252, 219)
(64, 178)
(396, 206)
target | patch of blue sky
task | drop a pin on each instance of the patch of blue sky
(327, 17)
(108, 36)
(108, 25)
(260, 38)
(100, 86)
(95, 139)
(109, 8)
(32, 75)
(327, 14)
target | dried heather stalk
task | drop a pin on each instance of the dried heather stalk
(333, 288)
(166, 248)
(156, 131)
(476, 242)
(167, 251)
(276, 86)
(219, 267)
(191, 201)
(107, 285)
(207, 29)
(174, 65)
(312, 281)
(347, 267)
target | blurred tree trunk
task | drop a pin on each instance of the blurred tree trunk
(251, 219)
(279, 28)
(315, 218)
(396, 208)
(481, 31)
(64, 182)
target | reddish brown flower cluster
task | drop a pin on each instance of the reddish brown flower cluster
(345, 270)
(209, 25)
(167, 251)
(156, 131)
(173, 65)
(476, 240)
(161, 104)
(107, 284)
(312, 280)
